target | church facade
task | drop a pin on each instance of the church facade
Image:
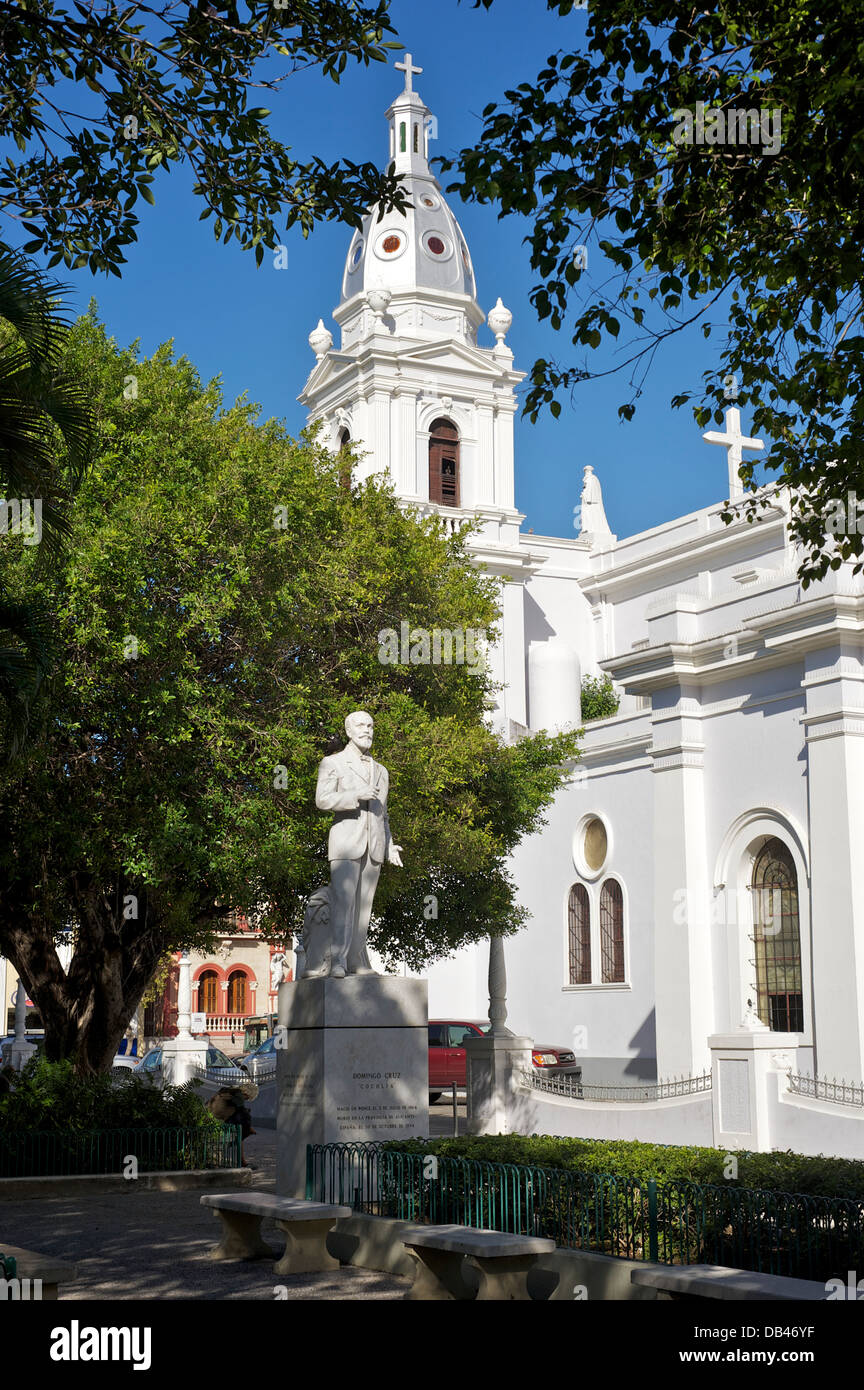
(701, 870)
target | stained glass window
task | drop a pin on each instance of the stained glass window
(777, 939)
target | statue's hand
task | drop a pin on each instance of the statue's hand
(395, 856)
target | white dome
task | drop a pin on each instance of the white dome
(423, 248)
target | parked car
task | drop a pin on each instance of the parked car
(262, 1058)
(217, 1062)
(448, 1063)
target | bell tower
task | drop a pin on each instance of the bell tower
(420, 400)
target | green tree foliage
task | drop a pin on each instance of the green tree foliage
(219, 610)
(600, 699)
(764, 250)
(98, 99)
(46, 438)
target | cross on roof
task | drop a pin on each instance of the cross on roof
(735, 443)
(409, 71)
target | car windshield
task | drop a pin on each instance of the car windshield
(215, 1058)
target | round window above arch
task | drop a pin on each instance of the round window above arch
(592, 843)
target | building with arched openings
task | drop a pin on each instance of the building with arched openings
(701, 870)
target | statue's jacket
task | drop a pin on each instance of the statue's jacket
(356, 827)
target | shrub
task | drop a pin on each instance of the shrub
(49, 1096)
(779, 1171)
(600, 699)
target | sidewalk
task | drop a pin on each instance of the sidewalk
(153, 1245)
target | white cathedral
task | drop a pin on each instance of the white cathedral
(700, 868)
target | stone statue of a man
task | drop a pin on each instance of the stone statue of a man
(353, 785)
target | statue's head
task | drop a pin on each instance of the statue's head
(359, 727)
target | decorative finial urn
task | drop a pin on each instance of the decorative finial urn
(499, 320)
(378, 299)
(320, 340)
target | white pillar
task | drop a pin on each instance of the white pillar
(19, 1052)
(183, 1056)
(834, 731)
(500, 1101)
(682, 946)
(744, 1068)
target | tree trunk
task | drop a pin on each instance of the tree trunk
(86, 1011)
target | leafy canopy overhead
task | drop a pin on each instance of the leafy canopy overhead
(219, 612)
(99, 97)
(763, 250)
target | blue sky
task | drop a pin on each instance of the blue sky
(250, 325)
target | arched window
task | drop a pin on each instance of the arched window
(612, 933)
(579, 935)
(237, 992)
(402, 146)
(444, 463)
(416, 139)
(208, 992)
(777, 939)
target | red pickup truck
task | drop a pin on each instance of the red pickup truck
(447, 1057)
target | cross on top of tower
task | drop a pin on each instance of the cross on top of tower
(409, 70)
(735, 443)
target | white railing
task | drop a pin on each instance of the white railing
(227, 1023)
(574, 1089)
(820, 1088)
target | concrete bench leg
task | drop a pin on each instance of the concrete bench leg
(438, 1276)
(241, 1238)
(503, 1279)
(306, 1247)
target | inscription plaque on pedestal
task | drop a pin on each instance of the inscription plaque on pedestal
(353, 1068)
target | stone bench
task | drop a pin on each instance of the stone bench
(716, 1281)
(500, 1262)
(30, 1266)
(305, 1226)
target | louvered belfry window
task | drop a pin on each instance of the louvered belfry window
(579, 935)
(444, 463)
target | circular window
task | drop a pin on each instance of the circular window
(356, 256)
(437, 246)
(429, 201)
(389, 245)
(591, 846)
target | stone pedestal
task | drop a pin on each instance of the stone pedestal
(499, 1099)
(352, 1067)
(740, 1066)
(18, 1053)
(183, 1059)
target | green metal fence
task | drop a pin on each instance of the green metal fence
(35, 1153)
(665, 1222)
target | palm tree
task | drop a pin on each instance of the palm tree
(47, 433)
